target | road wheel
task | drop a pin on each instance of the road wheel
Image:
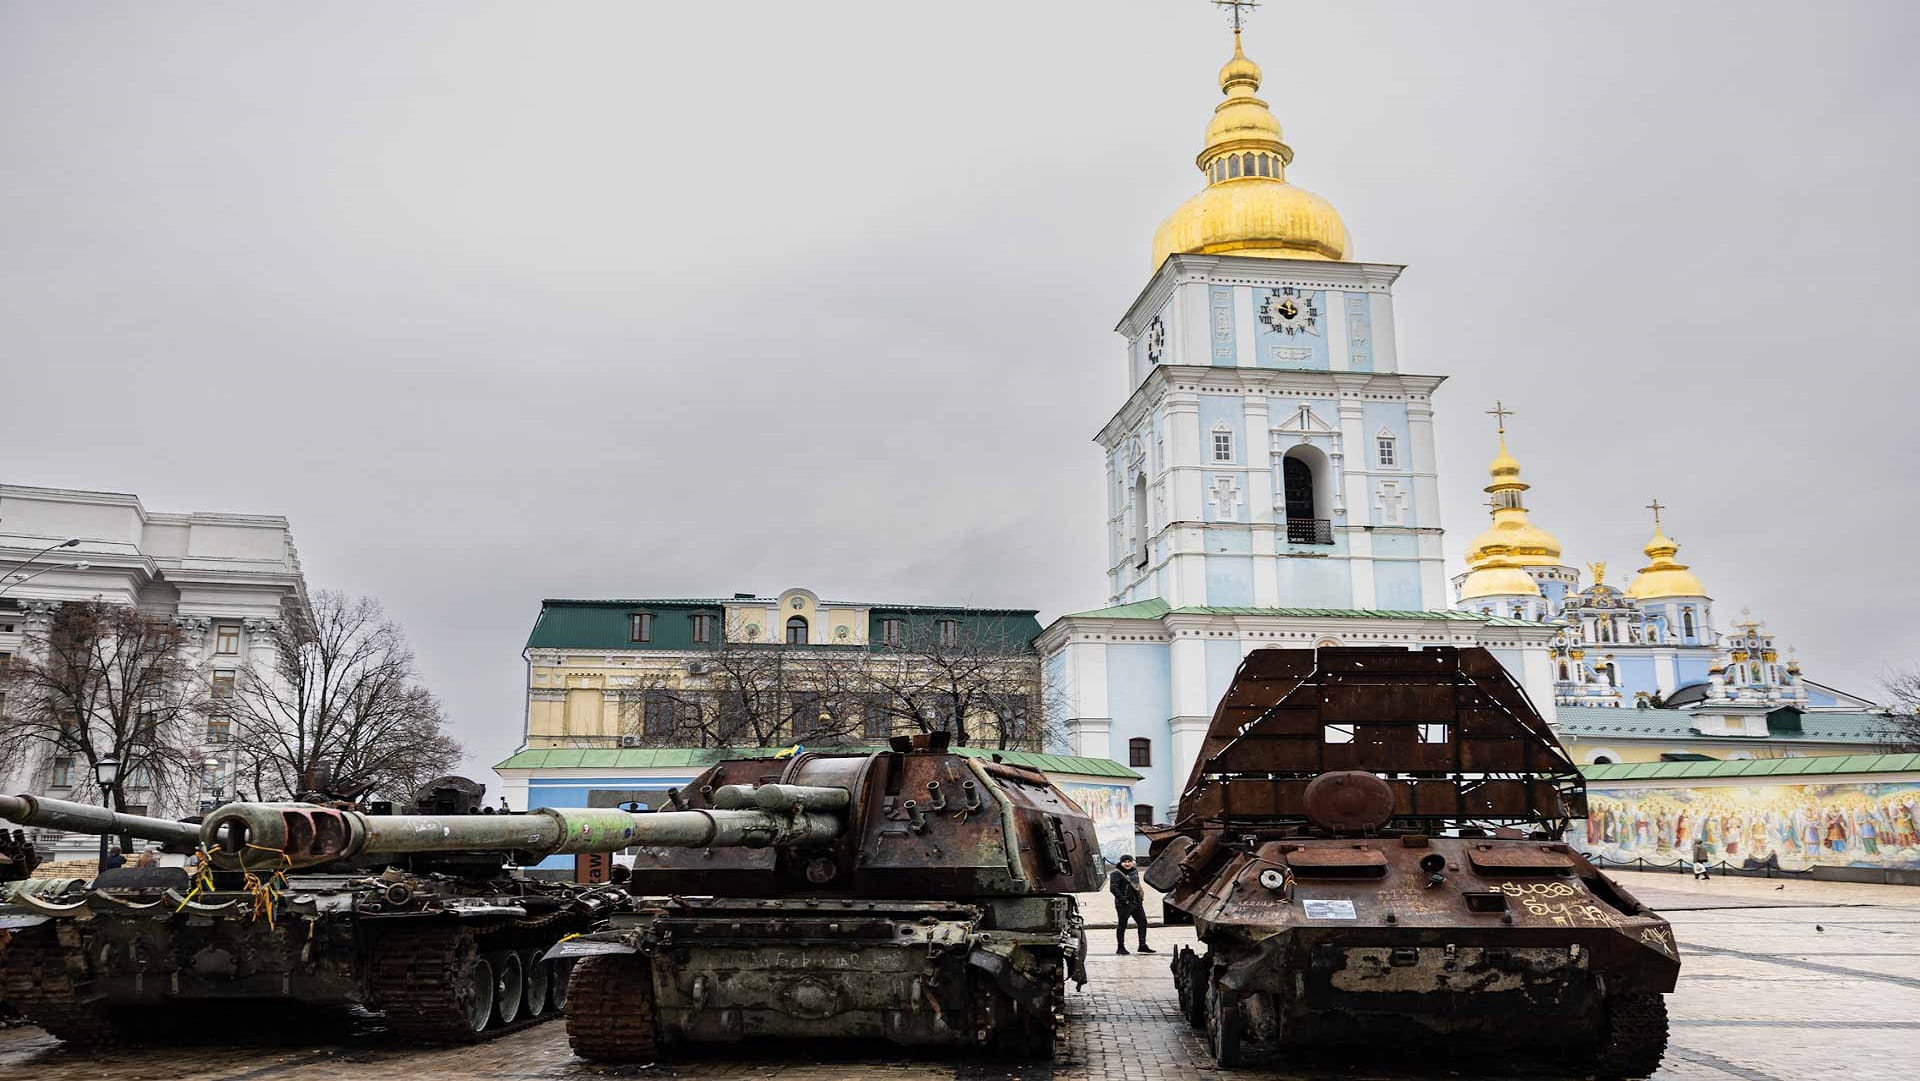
(1223, 1026)
(509, 986)
(538, 972)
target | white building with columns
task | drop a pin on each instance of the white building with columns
(1271, 478)
(226, 579)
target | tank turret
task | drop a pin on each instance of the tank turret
(1370, 845)
(937, 909)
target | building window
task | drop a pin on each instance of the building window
(875, 721)
(1223, 446)
(659, 716)
(222, 685)
(226, 639)
(1139, 752)
(63, 773)
(1143, 814)
(1387, 449)
(219, 730)
(809, 716)
(138, 778)
(1602, 760)
(1686, 621)
(890, 632)
(949, 632)
(797, 631)
(702, 628)
(640, 627)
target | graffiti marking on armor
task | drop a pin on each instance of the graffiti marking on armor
(1538, 889)
(1659, 938)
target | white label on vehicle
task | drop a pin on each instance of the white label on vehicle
(1330, 910)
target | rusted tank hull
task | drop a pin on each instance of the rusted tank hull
(990, 975)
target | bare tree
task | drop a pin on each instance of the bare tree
(342, 698)
(970, 678)
(106, 680)
(742, 693)
(1902, 725)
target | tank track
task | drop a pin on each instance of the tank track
(610, 1009)
(1010, 1032)
(36, 981)
(417, 979)
(1635, 1037)
(1190, 984)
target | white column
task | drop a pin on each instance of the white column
(1183, 466)
(1189, 675)
(1423, 469)
(1256, 456)
(1334, 326)
(1188, 735)
(1247, 350)
(1386, 354)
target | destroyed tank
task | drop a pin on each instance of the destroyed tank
(916, 896)
(417, 916)
(1370, 848)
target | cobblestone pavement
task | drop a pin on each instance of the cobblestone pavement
(1806, 982)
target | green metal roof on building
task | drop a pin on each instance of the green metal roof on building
(1597, 723)
(1155, 608)
(700, 757)
(1757, 768)
(604, 624)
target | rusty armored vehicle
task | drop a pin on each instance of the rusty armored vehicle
(1370, 847)
(419, 916)
(916, 896)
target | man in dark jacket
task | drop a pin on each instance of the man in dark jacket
(1129, 902)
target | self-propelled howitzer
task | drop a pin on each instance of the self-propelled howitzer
(940, 912)
(421, 917)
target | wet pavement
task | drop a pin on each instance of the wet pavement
(1811, 980)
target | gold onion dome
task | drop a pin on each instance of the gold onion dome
(1496, 558)
(1247, 207)
(1664, 576)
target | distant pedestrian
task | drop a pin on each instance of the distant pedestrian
(148, 858)
(1129, 902)
(114, 858)
(1700, 858)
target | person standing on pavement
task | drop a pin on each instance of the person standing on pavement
(1700, 858)
(1129, 902)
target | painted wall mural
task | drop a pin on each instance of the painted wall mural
(1860, 824)
(1111, 808)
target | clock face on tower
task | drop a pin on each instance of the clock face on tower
(1290, 312)
(1156, 340)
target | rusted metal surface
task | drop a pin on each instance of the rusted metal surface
(1369, 846)
(941, 912)
(422, 938)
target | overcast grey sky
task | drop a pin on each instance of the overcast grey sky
(504, 301)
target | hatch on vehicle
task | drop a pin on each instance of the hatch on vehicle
(1519, 859)
(1345, 861)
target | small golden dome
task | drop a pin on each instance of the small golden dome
(1247, 207)
(1512, 538)
(1664, 576)
(1498, 578)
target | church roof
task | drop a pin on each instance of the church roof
(702, 757)
(1806, 766)
(1155, 608)
(1600, 722)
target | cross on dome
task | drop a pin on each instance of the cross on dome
(1237, 6)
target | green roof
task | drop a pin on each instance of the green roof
(604, 624)
(701, 757)
(1598, 723)
(1155, 608)
(1809, 766)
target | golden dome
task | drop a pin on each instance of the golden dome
(1512, 537)
(1498, 577)
(1664, 576)
(1247, 207)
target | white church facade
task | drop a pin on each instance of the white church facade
(1270, 475)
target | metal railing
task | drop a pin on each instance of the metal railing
(1309, 531)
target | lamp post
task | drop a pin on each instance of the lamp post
(107, 772)
(22, 579)
(68, 543)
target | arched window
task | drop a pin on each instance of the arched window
(1686, 621)
(1563, 671)
(1246, 163)
(797, 631)
(1602, 760)
(1264, 167)
(1139, 752)
(1296, 479)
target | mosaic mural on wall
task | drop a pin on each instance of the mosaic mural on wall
(1862, 824)
(1111, 808)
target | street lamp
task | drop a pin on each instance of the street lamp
(107, 772)
(80, 566)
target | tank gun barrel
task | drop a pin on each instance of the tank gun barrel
(251, 834)
(58, 814)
